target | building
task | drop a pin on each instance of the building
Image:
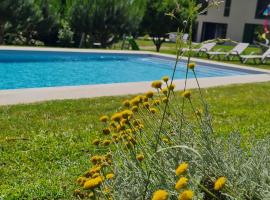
(238, 20)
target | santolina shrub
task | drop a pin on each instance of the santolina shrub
(161, 145)
(182, 159)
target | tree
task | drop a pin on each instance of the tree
(80, 19)
(157, 23)
(105, 20)
(18, 14)
(24, 23)
(49, 24)
(5, 15)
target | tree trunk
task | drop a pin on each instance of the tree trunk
(2, 24)
(82, 41)
(158, 47)
(158, 42)
(103, 41)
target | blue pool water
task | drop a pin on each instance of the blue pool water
(32, 69)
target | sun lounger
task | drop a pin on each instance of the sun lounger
(203, 49)
(262, 58)
(236, 51)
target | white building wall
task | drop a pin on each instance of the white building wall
(241, 12)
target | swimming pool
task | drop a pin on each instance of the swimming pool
(36, 69)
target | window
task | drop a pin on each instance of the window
(261, 7)
(204, 6)
(213, 30)
(227, 8)
(252, 32)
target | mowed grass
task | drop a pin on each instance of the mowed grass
(169, 48)
(44, 147)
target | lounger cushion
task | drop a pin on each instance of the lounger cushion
(251, 56)
(217, 53)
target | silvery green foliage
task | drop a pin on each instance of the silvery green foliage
(246, 165)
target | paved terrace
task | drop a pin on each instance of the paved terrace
(18, 96)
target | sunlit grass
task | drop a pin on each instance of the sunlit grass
(44, 147)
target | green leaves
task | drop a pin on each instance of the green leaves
(104, 20)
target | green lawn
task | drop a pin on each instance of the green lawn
(169, 48)
(44, 147)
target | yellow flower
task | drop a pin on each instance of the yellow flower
(95, 175)
(165, 100)
(156, 102)
(114, 136)
(126, 103)
(164, 91)
(95, 169)
(144, 98)
(135, 101)
(129, 131)
(140, 127)
(186, 195)
(165, 79)
(181, 183)
(165, 140)
(171, 87)
(160, 195)
(146, 105)
(124, 122)
(137, 122)
(120, 127)
(92, 183)
(112, 124)
(140, 157)
(182, 168)
(126, 114)
(157, 84)
(134, 108)
(116, 140)
(132, 140)
(104, 118)
(153, 110)
(106, 142)
(186, 94)
(150, 94)
(220, 183)
(96, 142)
(81, 180)
(191, 66)
(110, 176)
(106, 131)
(95, 159)
(116, 117)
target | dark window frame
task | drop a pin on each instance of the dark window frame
(249, 34)
(204, 5)
(204, 29)
(227, 8)
(261, 6)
